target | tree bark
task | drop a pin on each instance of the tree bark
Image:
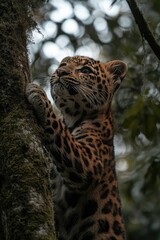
(26, 208)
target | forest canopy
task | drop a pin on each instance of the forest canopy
(107, 30)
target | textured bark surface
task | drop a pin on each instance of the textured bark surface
(26, 209)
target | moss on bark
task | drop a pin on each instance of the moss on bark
(26, 200)
(26, 208)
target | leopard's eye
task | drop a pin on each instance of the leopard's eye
(86, 70)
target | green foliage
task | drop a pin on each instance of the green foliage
(137, 103)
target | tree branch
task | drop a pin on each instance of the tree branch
(143, 27)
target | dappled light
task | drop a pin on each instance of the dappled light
(76, 19)
(63, 10)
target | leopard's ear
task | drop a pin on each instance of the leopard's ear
(117, 68)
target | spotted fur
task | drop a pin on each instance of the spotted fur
(80, 139)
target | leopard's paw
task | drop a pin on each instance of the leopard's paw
(34, 93)
(37, 98)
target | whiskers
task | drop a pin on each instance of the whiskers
(89, 92)
(94, 95)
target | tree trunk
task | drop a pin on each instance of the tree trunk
(26, 208)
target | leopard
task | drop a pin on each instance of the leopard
(79, 134)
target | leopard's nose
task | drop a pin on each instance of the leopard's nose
(62, 72)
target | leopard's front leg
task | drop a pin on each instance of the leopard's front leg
(69, 155)
(38, 99)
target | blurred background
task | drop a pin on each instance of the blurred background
(105, 30)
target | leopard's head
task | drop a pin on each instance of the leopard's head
(81, 85)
